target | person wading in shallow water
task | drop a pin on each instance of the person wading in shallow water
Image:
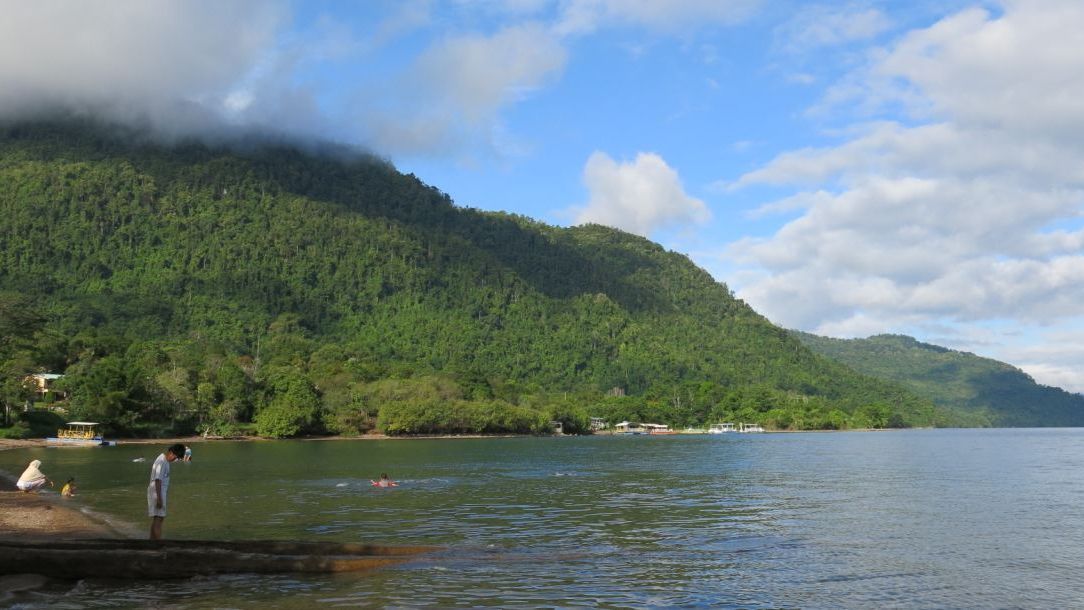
(159, 487)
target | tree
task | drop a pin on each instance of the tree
(20, 321)
(574, 419)
(295, 407)
(208, 265)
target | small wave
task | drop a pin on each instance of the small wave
(118, 526)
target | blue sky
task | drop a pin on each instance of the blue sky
(848, 168)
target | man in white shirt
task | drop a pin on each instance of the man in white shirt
(158, 487)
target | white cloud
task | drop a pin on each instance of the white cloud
(453, 94)
(1056, 359)
(408, 17)
(128, 57)
(1064, 377)
(507, 7)
(585, 16)
(954, 212)
(640, 197)
(829, 25)
(1016, 72)
(477, 75)
(929, 149)
(192, 66)
(452, 98)
(801, 78)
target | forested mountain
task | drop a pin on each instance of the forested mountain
(989, 392)
(261, 286)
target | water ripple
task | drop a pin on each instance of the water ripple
(921, 519)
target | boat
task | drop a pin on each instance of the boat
(79, 434)
(627, 427)
(157, 559)
(721, 428)
(750, 428)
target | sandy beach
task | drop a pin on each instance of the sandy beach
(46, 514)
(24, 515)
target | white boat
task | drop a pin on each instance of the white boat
(79, 434)
(750, 428)
(721, 428)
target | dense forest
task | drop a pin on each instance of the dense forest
(265, 288)
(985, 392)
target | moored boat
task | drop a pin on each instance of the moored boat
(79, 434)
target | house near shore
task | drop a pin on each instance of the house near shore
(42, 385)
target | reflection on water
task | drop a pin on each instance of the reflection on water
(977, 518)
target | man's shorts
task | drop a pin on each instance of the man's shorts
(151, 497)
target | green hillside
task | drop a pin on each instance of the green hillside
(991, 393)
(264, 287)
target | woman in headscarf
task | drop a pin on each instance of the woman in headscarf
(33, 479)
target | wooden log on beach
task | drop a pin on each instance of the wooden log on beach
(154, 559)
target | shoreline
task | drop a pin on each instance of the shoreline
(48, 516)
(188, 440)
(27, 443)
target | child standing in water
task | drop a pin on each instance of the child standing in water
(159, 486)
(69, 488)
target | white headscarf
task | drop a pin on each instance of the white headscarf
(32, 474)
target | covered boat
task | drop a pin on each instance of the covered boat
(79, 434)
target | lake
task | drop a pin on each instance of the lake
(913, 519)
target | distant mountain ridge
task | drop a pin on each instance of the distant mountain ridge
(201, 286)
(990, 392)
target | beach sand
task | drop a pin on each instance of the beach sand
(47, 515)
(30, 515)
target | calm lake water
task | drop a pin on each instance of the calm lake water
(913, 519)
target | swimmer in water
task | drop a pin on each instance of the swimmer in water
(384, 481)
